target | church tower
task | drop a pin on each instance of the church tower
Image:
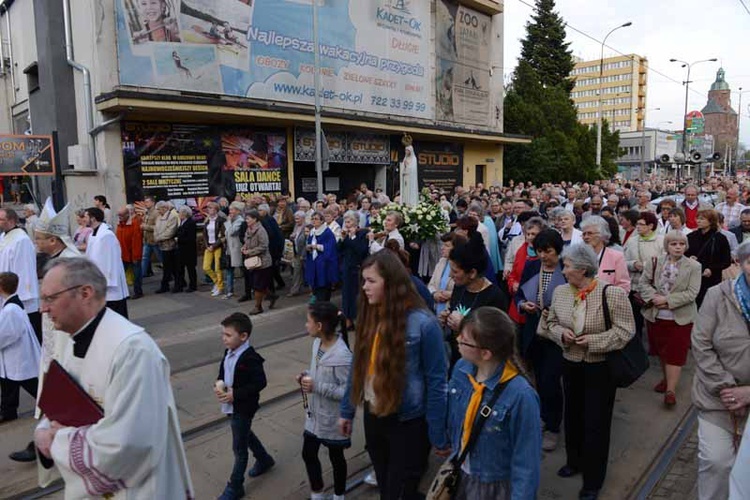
(721, 119)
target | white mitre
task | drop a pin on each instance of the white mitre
(56, 223)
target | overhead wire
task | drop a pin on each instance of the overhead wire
(649, 66)
(745, 6)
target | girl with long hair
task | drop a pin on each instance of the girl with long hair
(400, 375)
(324, 386)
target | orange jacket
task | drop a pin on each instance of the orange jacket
(131, 240)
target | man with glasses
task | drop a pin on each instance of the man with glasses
(104, 250)
(135, 448)
(18, 255)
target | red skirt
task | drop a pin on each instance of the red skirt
(669, 341)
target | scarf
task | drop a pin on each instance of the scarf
(530, 252)
(509, 371)
(373, 354)
(580, 295)
(314, 239)
(649, 237)
(742, 291)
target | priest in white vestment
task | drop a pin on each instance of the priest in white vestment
(18, 255)
(104, 250)
(135, 451)
(52, 238)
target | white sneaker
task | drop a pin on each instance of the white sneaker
(229, 295)
(216, 292)
(214, 289)
(317, 496)
(370, 479)
(338, 497)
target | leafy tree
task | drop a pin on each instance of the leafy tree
(545, 48)
(538, 104)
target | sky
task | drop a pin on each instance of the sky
(689, 30)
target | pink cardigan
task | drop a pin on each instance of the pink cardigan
(613, 269)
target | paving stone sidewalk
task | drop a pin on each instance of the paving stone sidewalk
(681, 479)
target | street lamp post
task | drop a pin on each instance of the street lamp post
(599, 112)
(739, 124)
(686, 83)
(643, 140)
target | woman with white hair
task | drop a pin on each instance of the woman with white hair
(31, 214)
(612, 266)
(233, 259)
(575, 322)
(353, 250)
(721, 386)
(565, 224)
(669, 289)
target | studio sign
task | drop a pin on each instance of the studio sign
(344, 147)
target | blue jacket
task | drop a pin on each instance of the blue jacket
(323, 271)
(425, 391)
(509, 447)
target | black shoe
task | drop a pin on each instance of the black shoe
(588, 494)
(190, 290)
(244, 298)
(177, 290)
(162, 290)
(136, 296)
(261, 466)
(7, 418)
(567, 471)
(272, 300)
(26, 455)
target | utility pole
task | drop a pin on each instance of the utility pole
(318, 125)
(599, 112)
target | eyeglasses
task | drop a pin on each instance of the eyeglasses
(468, 345)
(49, 299)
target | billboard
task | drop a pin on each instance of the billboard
(375, 55)
(463, 39)
(439, 164)
(27, 155)
(191, 161)
(344, 147)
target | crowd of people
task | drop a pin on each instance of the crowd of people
(485, 350)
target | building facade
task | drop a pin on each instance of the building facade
(720, 118)
(191, 99)
(639, 150)
(623, 91)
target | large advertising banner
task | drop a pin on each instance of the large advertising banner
(375, 55)
(439, 164)
(26, 155)
(463, 40)
(344, 147)
(171, 161)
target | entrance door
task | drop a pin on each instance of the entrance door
(479, 174)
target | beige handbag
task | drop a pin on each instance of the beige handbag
(253, 262)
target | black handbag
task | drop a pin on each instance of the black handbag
(445, 484)
(625, 365)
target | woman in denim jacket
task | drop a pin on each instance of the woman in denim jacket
(505, 461)
(399, 373)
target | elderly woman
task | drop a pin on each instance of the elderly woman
(256, 244)
(321, 262)
(214, 238)
(441, 284)
(525, 255)
(565, 222)
(233, 257)
(330, 215)
(187, 251)
(575, 322)
(709, 247)
(611, 263)
(541, 278)
(487, 229)
(165, 234)
(721, 385)
(353, 250)
(83, 232)
(669, 290)
(677, 221)
(391, 223)
(298, 238)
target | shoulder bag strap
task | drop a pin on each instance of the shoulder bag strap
(653, 270)
(605, 306)
(484, 413)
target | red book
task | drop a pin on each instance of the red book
(63, 399)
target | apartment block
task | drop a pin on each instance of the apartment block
(621, 84)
